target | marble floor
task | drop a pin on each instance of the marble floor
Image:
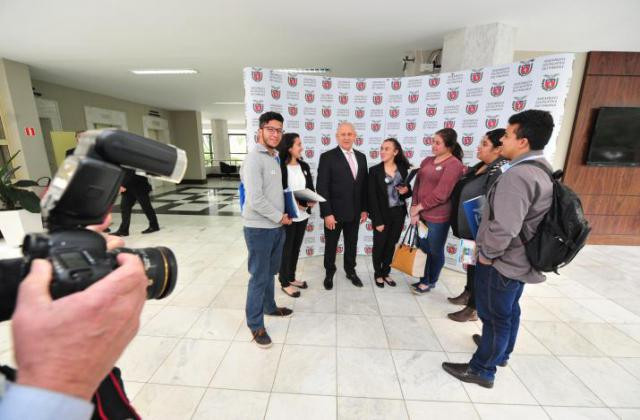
(373, 353)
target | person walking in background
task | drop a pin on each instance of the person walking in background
(475, 182)
(296, 175)
(387, 209)
(436, 178)
(136, 188)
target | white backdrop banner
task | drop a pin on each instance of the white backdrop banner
(410, 109)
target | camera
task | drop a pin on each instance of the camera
(81, 194)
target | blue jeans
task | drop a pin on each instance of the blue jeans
(265, 254)
(433, 246)
(497, 299)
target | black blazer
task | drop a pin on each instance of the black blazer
(346, 197)
(379, 211)
(307, 177)
(135, 184)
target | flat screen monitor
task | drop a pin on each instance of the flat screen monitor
(615, 140)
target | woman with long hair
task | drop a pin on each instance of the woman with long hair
(387, 209)
(296, 175)
(436, 178)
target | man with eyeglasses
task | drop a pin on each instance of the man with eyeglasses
(263, 215)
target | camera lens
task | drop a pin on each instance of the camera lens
(161, 268)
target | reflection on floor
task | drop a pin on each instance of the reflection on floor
(373, 353)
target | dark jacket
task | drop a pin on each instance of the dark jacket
(135, 184)
(346, 197)
(379, 211)
(307, 176)
(486, 180)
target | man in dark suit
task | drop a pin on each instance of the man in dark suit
(136, 188)
(342, 181)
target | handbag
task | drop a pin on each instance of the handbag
(407, 257)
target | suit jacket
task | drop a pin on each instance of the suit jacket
(379, 210)
(135, 184)
(307, 176)
(346, 197)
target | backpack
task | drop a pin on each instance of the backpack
(562, 232)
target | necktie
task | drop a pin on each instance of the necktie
(352, 164)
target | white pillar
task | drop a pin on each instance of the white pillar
(478, 46)
(220, 139)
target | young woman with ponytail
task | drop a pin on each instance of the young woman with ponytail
(436, 178)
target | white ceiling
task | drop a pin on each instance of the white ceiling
(91, 45)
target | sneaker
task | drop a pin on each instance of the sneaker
(261, 338)
(284, 312)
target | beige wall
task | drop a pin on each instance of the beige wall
(71, 103)
(186, 133)
(571, 104)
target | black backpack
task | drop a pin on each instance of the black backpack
(562, 232)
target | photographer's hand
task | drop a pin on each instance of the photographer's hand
(112, 240)
(70, 344)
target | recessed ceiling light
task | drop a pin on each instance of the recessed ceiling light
(164, 71)
(307, 70)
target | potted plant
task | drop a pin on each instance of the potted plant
(19, 208)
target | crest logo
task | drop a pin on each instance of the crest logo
(497, 89)
(525, 67)
(452, 249)
(374, 153)
(550, 82)
(452, 94)
(369, 226)
(375, 126)
(475, 76)
(413, 97)
(308, 153)
(434, 82)
(408, 153)
(309, 251)
(339, 249)
(326, 111)
(309, 227)
(326, 139)
(256, 75)
(396, 84)
(471, 108)
(467, 139)
(309, 96)
(309, 124)
(427, 140)
(322, 238)
(411, 125)
(432, 110)
(361, 84)
(293, 80)
(519, 103)
(258, 107)
(368, 249)
(293, 110)
(376, 98)
(359, 112)
(394, 111)
(275, 92)
(359, 141)
(491, 122)
(343, 98)
(326, 83)
(449, 123)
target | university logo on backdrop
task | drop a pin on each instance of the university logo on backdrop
(525, 67)
(359, 112)
(449, 123)
(343, 98)
(471, 108)
(258, 107)
(427, 140)
(292, 80)
(375, 126)
(434, 82)
(309, 96)
(376, 98)
(475, 76)
(432, 110)
(491, 122)
(453, 93)
(256, 75)
(396, 84)
(410, 125)
(413, 97)
(309, 124)
(519, 103)
(550, 82)
(293, 110)
(361, 84)
(326, 83)
(497, 89)
(467, 139)
(275, 92)
(325, 139)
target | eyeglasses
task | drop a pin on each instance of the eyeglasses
(273, 130)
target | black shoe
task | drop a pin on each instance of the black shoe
(355, 280)
(120, 233)
(328, 282)
(380, 285)
(465, 374)
(261, 338)
(284, 312)
(151, 229)
(477, 338)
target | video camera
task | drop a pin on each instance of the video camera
(81, 194)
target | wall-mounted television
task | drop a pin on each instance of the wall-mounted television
(615, 140)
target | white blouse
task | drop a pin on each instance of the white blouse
(297, 181)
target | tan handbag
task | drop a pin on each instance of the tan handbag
(408, 258)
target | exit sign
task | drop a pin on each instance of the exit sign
(30, 131)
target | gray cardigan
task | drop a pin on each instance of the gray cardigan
(519, 199)
(264, 198)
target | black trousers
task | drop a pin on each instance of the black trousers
(470, 287)
(129, 199)
(291, 250)
(331, 238)
(384, 243)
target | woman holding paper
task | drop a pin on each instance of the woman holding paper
(476, 182)
(296, 175)
(436, 178)
(387, 209)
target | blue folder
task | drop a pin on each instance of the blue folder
(290, 204)
(473, 211)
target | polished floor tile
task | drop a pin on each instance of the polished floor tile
(367, 373)
(232, 404)
(429, 410)
(361, 331)
(297, 406)
(248, 367)
(371, 409)
(307, 370)
(167, 401)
